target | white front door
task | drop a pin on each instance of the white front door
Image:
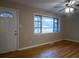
(8, 31)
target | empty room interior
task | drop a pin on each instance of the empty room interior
(39, 29)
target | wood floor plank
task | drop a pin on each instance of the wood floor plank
(61, 49)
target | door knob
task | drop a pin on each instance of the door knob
(15, 34)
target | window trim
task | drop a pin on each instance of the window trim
(37, 14)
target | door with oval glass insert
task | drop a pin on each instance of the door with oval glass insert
(8, 30)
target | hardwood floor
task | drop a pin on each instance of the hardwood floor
(61, 49)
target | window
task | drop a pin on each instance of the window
(6, 14)
(44, 24)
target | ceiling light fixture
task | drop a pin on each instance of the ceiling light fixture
(69, 10)
(72, 2)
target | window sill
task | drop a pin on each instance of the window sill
(46, 33)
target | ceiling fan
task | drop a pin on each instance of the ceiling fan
(69, 5)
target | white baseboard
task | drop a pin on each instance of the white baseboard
(73, 40)
(46, 43)
(38, 45)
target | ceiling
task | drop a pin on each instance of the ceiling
(47, 5)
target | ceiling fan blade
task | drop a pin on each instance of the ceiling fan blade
(67, 0)
(61, 9)
(77, 5)
(58, 5)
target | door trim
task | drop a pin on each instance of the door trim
(17, 29)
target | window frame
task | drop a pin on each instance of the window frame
(58, 23)
(6, 14)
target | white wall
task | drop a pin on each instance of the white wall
(27, 37)
(72, 27)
